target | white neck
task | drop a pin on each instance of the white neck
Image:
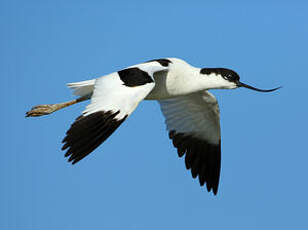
(214, 81)
(182, 79)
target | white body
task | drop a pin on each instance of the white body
(180, 79)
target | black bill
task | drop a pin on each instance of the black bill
(240, 84)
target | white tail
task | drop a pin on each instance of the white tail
(82, 88)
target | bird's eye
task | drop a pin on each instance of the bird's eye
(232, 77)
(229, 77)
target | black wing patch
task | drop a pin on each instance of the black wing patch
(202, 158)
(163, 62)
(134, 77)
(88, 132)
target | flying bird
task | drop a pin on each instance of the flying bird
(191, 112)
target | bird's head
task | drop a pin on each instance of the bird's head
(228, 79)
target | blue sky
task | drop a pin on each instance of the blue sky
(135, 179)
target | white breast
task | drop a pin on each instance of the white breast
(180, 79)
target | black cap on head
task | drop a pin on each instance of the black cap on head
(227, 74)
(232, 76)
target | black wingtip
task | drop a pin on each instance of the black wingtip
(88, 132)
(202, 158)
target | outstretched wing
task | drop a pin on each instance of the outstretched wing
(193, 124)
(114, 98)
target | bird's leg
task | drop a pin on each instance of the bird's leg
(40, 110)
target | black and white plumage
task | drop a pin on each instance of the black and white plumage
(191, 112)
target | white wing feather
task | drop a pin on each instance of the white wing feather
(196, 114)
(110, 94)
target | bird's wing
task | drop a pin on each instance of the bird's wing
(114, 98)
(193, 125)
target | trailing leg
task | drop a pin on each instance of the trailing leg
(40, 110)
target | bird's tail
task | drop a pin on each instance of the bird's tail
(82, 88)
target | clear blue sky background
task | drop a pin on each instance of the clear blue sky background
(135, 179)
